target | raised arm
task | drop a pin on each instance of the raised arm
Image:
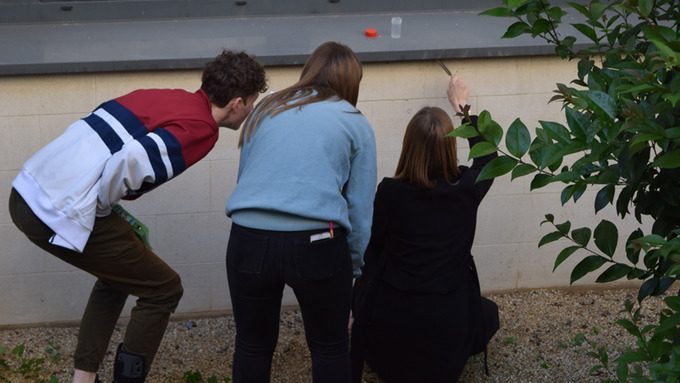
(458, 93)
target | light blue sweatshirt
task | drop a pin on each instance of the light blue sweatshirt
(304, 168)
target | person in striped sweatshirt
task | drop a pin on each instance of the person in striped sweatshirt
(63, 197)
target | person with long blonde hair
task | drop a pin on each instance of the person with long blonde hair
(418, 313)
(301, 215)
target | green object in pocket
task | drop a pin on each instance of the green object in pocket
(138, 227)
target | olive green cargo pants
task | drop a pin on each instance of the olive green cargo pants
(123, 266)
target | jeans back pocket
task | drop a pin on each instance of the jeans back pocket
(246, 250)
(322, 259)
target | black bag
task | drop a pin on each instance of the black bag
(490, 324)
(490, 321)
(363, 296)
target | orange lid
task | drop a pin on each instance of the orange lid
(371, 32)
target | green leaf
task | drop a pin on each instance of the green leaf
(637, 89)
(673, 98)
(606, 236)
(651, 258)
(670, 323)
(540, 26)
(645, 7)
(543, 136)
(624, 200)
(666, 33)
(635, 274)
(579, 190)
(464, 131)
(604, 196)
(632, 251)
(550, 237)
(587, 265)
(656, 346)
(556, 131)
(673, 271)
(498, 12)
(567, 177)
(492, 132)
(496, 168)
(673, 302)
(522, 170)
(484, 119)
(671, 250)
(653, 239)
(564, 254)
(644, 137)
(629, 326)
(584, 66)
(647, 288)
(535, 150)
(596, 10)
(586, 31)
(668, 160)
(673, 133)
(581, 8)
(482, 149)
(664, 49)
(610, 175)
(516, 3)
(581, 236)
(601, 102)
(549, 155)
(489, 128)
(614, 272)
(567, 192)
(539, 181)
(517, 139)
(564, 227)
(517, 29)
(622, 363)
(555, 13)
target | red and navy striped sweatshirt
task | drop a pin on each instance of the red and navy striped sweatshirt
(124, 148)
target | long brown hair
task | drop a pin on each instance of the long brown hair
(332, 70)
(427, 152)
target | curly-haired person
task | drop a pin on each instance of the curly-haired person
(63, 198)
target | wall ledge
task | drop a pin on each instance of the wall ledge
(187, 43)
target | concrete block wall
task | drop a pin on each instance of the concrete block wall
(185, 216)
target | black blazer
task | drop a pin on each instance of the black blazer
(425, 234)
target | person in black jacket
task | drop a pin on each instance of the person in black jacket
(417, 307)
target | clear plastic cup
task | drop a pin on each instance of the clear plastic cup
(395, 33)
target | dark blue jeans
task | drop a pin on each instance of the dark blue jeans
(259, 264)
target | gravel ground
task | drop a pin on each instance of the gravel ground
(540, 340)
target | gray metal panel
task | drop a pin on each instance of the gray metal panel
(30, 48)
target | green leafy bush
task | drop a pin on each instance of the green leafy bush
(622, 138)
